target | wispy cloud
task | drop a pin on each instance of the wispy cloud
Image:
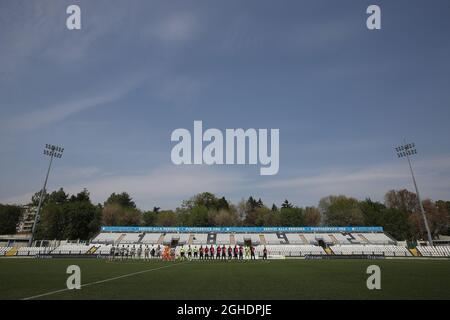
(177, 27)
(373, 181)
(40, 117)
(164, 186)
(167, 186)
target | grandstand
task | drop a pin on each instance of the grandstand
(435, 251)
(284, 242)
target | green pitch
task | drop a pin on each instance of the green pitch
(276, 279)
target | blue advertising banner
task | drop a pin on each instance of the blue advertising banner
(242, 229)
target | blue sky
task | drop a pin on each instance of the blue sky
(112, 93)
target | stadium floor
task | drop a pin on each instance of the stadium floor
(276, 279)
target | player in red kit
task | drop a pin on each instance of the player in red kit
(201, 252)
(206, 253)
(224, 252)
(211, 251)
(219, 250)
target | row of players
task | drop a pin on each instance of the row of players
(194, 252)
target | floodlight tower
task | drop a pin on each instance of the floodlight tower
(407, 150)
(53, 152)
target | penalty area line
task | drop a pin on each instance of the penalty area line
(101, 281)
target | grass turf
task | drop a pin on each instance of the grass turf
(276, 279)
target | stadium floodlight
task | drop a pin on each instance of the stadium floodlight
(53, 152)
(407, 150)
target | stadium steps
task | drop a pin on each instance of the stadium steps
(328, 251)
(305, 241)
(92, 249)
(120, 238)
(191, 239)
(262, 240)
(333, 238)
(390, 237)
(350, 238)
(283, 238)
(232, 239)
(364, 238)
(415, 252)
(141, 236)
(12, 252)
(161, 238)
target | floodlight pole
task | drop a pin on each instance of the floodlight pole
(422, 210)
(406, 150)
(41, 197)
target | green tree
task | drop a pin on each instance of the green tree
(36, 196)
(58, 197)
(266, 217)
(312, 217)
(396, 223)
(225, 218)
(373, 212)
(82, 220)
(403, 200)
(114, 214)
(252, 204)
(122, 199)
(341, 211)
(286, 204)
(207, 200)
(9, 218)
(445, 206)
(65, 217)
(197, 216)
(52, 222)
(167, 218)
(149, 218)
(437, 217)
(291, 217)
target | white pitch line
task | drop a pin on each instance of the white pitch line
(102, 281)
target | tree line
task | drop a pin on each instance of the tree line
(67, 216)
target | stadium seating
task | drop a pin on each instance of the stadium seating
(435, 251)
(240, 238)
(223, 238)
(288, 250)
(373, 238)
(103, 249)
(199, 239)
(338, 238)
(71, 249)
(32, 251)
(293, 238)
(272, 238)
(282, 242)
(131, 238)
(291, 250)
(3, 250)
(382, 250)
(106, 237)
(182, 238)
(151, 238)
